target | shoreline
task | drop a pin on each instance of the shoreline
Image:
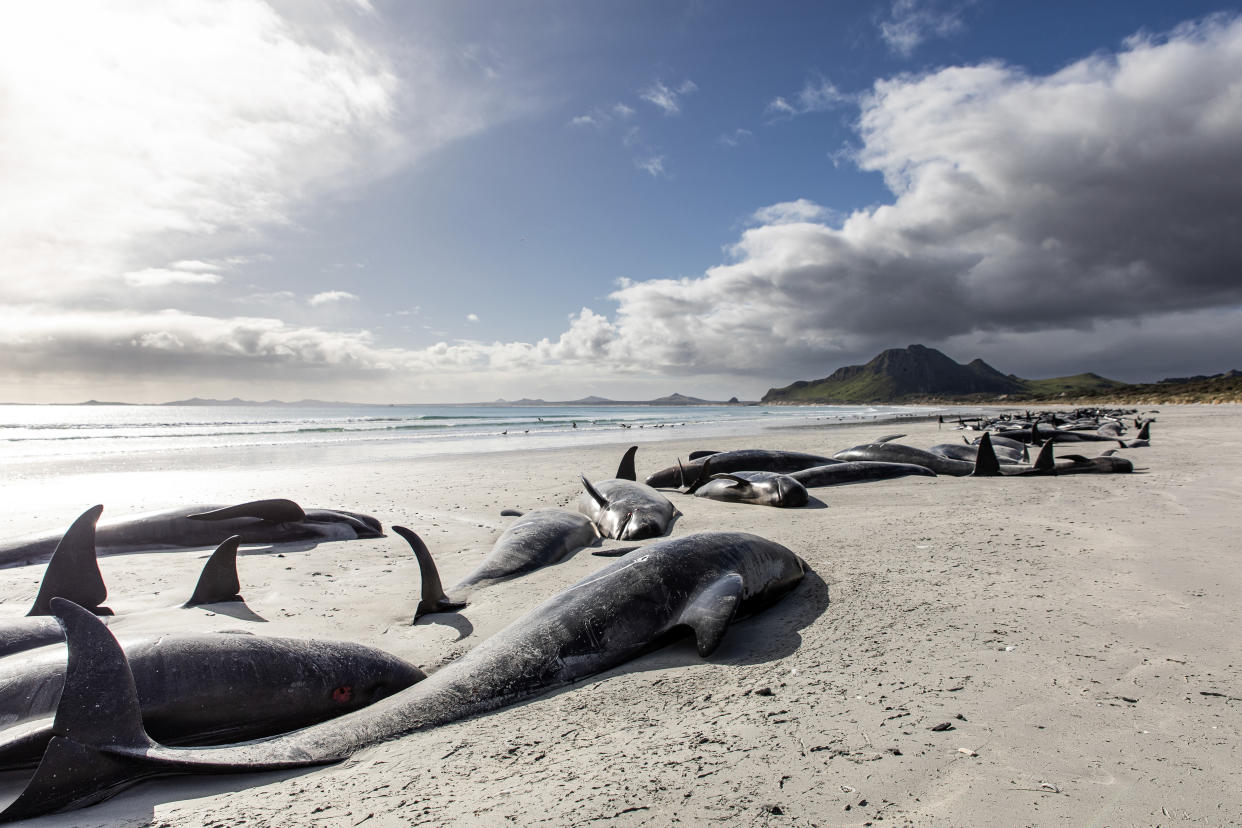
(1084, 628)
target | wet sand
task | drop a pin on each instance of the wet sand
(1078, 635)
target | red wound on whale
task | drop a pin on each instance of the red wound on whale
(342, 694)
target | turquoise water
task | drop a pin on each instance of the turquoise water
(119, 435)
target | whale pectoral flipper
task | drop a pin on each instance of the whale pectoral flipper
(711, 611)
(743, 486)
(594, 493)
(218, 581)
(614, 553)
(98, 727)
(73, 571)
(695, 455)
(276, 510)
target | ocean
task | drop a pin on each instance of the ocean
(46, 440)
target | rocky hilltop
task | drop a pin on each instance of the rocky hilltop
(918, 373)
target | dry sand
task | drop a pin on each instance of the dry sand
(1079, 635)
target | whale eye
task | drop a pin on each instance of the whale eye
(342, 694)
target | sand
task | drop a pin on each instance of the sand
(966, 652)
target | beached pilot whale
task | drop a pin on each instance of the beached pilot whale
(857, 471)
(696, 584)
(259, 521)
(536, 539)
(207, 689)
(690, 474)
(73, 574)
(625, 509)
(757, 487)
(901, 453)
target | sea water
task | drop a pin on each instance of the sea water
(45, 440)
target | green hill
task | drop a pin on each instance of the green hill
(919, 373)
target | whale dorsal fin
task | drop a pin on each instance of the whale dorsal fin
(218, 582)
(511, 513)
(594, 492)
(98, 709)
(276, 510)
(625, 471)
(888, 437)
(1076, 458)
(1145, 431)
(703, 476)
(986, 464)
(681, 473)
(695, 455)
(1045, 461)
(73, 571)
(432, 598)
(711, 610)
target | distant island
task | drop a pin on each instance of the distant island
(671, 399)
(918, 374)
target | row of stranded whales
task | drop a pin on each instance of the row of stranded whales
(697, 584)
(261, 521)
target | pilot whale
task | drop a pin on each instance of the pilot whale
(259, 521)
(782, 462)
(536, 539)
(73, 573)
(207, 688)
(699, 584)
(625, 509)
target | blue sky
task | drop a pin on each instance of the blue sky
(432, 202)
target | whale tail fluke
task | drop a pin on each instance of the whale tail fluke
(218, 582)
(625, 471)
(98, 724)
(432, 598)
(73, 571)
(986, 464)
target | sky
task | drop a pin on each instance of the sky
(457, 201)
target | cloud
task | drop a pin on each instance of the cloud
(666, 99)
(817, 95)
(120, 152)
(912, 22)
(735, 138)
(162, 277)
(601, 117)
(653, 165)
(472, 317)
(331, 297)
(1101, 199)
(792, 211)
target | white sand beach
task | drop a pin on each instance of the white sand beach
(1081, 636)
